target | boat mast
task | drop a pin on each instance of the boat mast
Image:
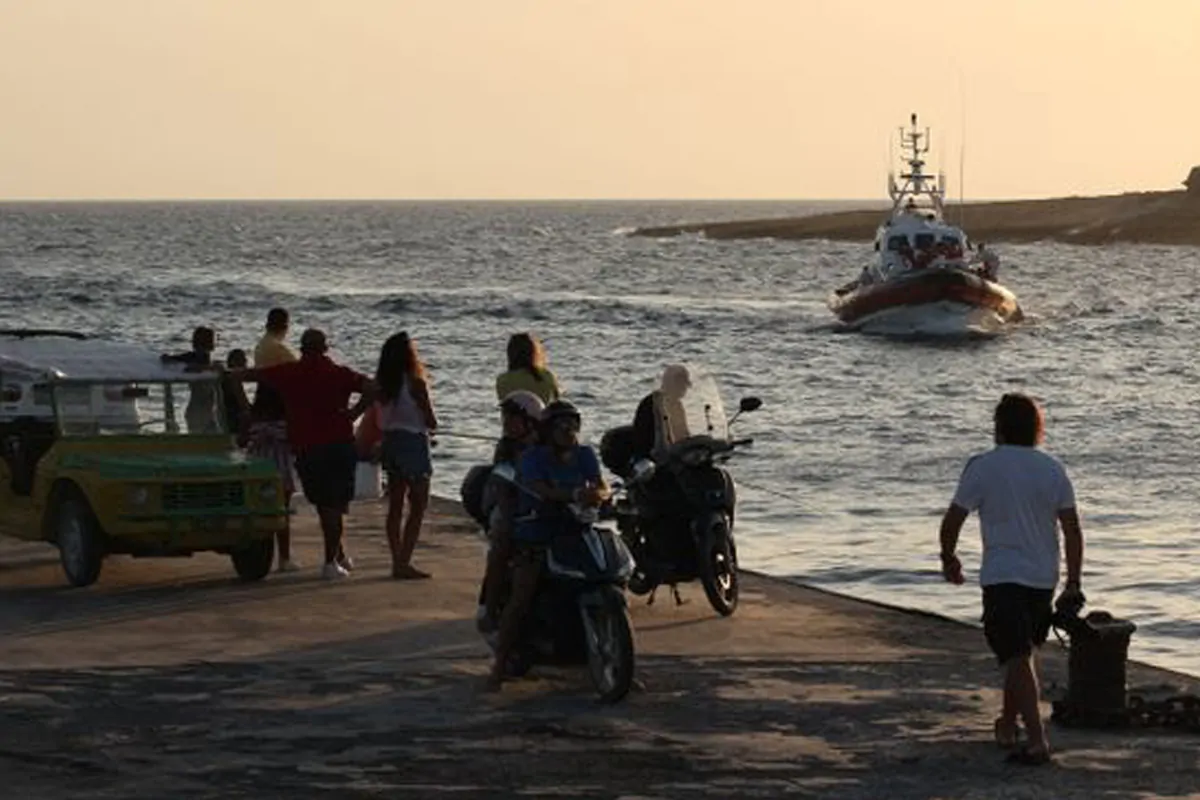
(916, 183)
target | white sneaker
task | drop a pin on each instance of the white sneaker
(346, 563)
(334, 572)
(288, 565)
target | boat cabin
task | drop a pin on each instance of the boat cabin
(923, 240)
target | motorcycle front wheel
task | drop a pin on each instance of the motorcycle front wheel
(718, 566)
(609, 635)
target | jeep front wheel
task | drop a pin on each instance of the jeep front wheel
(253, 561)
(80, 541)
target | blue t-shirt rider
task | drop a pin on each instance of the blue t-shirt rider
(560, 470)
(560, 464)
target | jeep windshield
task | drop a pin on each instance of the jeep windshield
(192, 407)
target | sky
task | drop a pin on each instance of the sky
(544, 99)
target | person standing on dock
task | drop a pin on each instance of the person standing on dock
(320, 428)
(407, 421)
(268, 426)
(272, 349)
(1022, 495)
(527, 370)
(201, 411)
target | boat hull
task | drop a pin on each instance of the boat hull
(933, 287)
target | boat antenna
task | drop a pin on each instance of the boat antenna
(891, 164)
(962, 152)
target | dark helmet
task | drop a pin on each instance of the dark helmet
(560, 409)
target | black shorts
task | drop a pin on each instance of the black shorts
(1016, 619)
(327, 474)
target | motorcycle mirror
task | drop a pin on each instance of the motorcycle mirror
(505, 472)
(749, 404)
(643, 470)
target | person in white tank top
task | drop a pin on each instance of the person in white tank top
(402, 413)
(407, 422)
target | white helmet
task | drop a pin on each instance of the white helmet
(523, 402)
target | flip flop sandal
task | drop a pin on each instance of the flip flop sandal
(1029, 758)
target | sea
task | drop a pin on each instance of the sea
(860, 440)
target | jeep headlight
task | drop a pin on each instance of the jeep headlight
(137, 496)
(267, 493)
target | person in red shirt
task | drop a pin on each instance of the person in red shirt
(320, 428)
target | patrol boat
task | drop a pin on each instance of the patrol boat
(926, 276)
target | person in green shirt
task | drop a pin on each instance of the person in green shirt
(527, 370)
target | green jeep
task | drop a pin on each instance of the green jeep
(102, 462)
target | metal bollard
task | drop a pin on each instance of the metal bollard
(1097, 692)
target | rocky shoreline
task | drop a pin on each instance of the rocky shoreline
(1167, 218)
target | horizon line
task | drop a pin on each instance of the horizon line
(949, 202)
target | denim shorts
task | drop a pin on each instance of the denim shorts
(405, 455)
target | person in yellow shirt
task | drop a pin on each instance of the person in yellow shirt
(527, 370)
(272, 349)
(268, 431)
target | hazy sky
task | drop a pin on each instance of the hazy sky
(589, 98)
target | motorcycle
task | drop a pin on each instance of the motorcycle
(579, 614)
(678, 510)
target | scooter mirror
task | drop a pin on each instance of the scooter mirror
(505, 472)
(749, 404)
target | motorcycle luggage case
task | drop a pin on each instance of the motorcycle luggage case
(616, 449)
(472, 490)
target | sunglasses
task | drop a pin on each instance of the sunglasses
(566, 424)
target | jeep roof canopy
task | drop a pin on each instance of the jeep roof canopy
(48, 357)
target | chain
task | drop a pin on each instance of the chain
(1164, 707)
(1145, 707)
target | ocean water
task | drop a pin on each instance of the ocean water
(860, 441)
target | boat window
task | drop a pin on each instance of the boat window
(896, 243)
(924, 241)
(950, 240)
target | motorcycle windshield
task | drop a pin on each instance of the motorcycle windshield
(698, 411)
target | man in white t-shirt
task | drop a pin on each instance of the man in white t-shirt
(1021, 494)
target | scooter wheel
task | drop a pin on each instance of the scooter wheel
(610, 647)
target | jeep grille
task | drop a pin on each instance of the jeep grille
(203, 496)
